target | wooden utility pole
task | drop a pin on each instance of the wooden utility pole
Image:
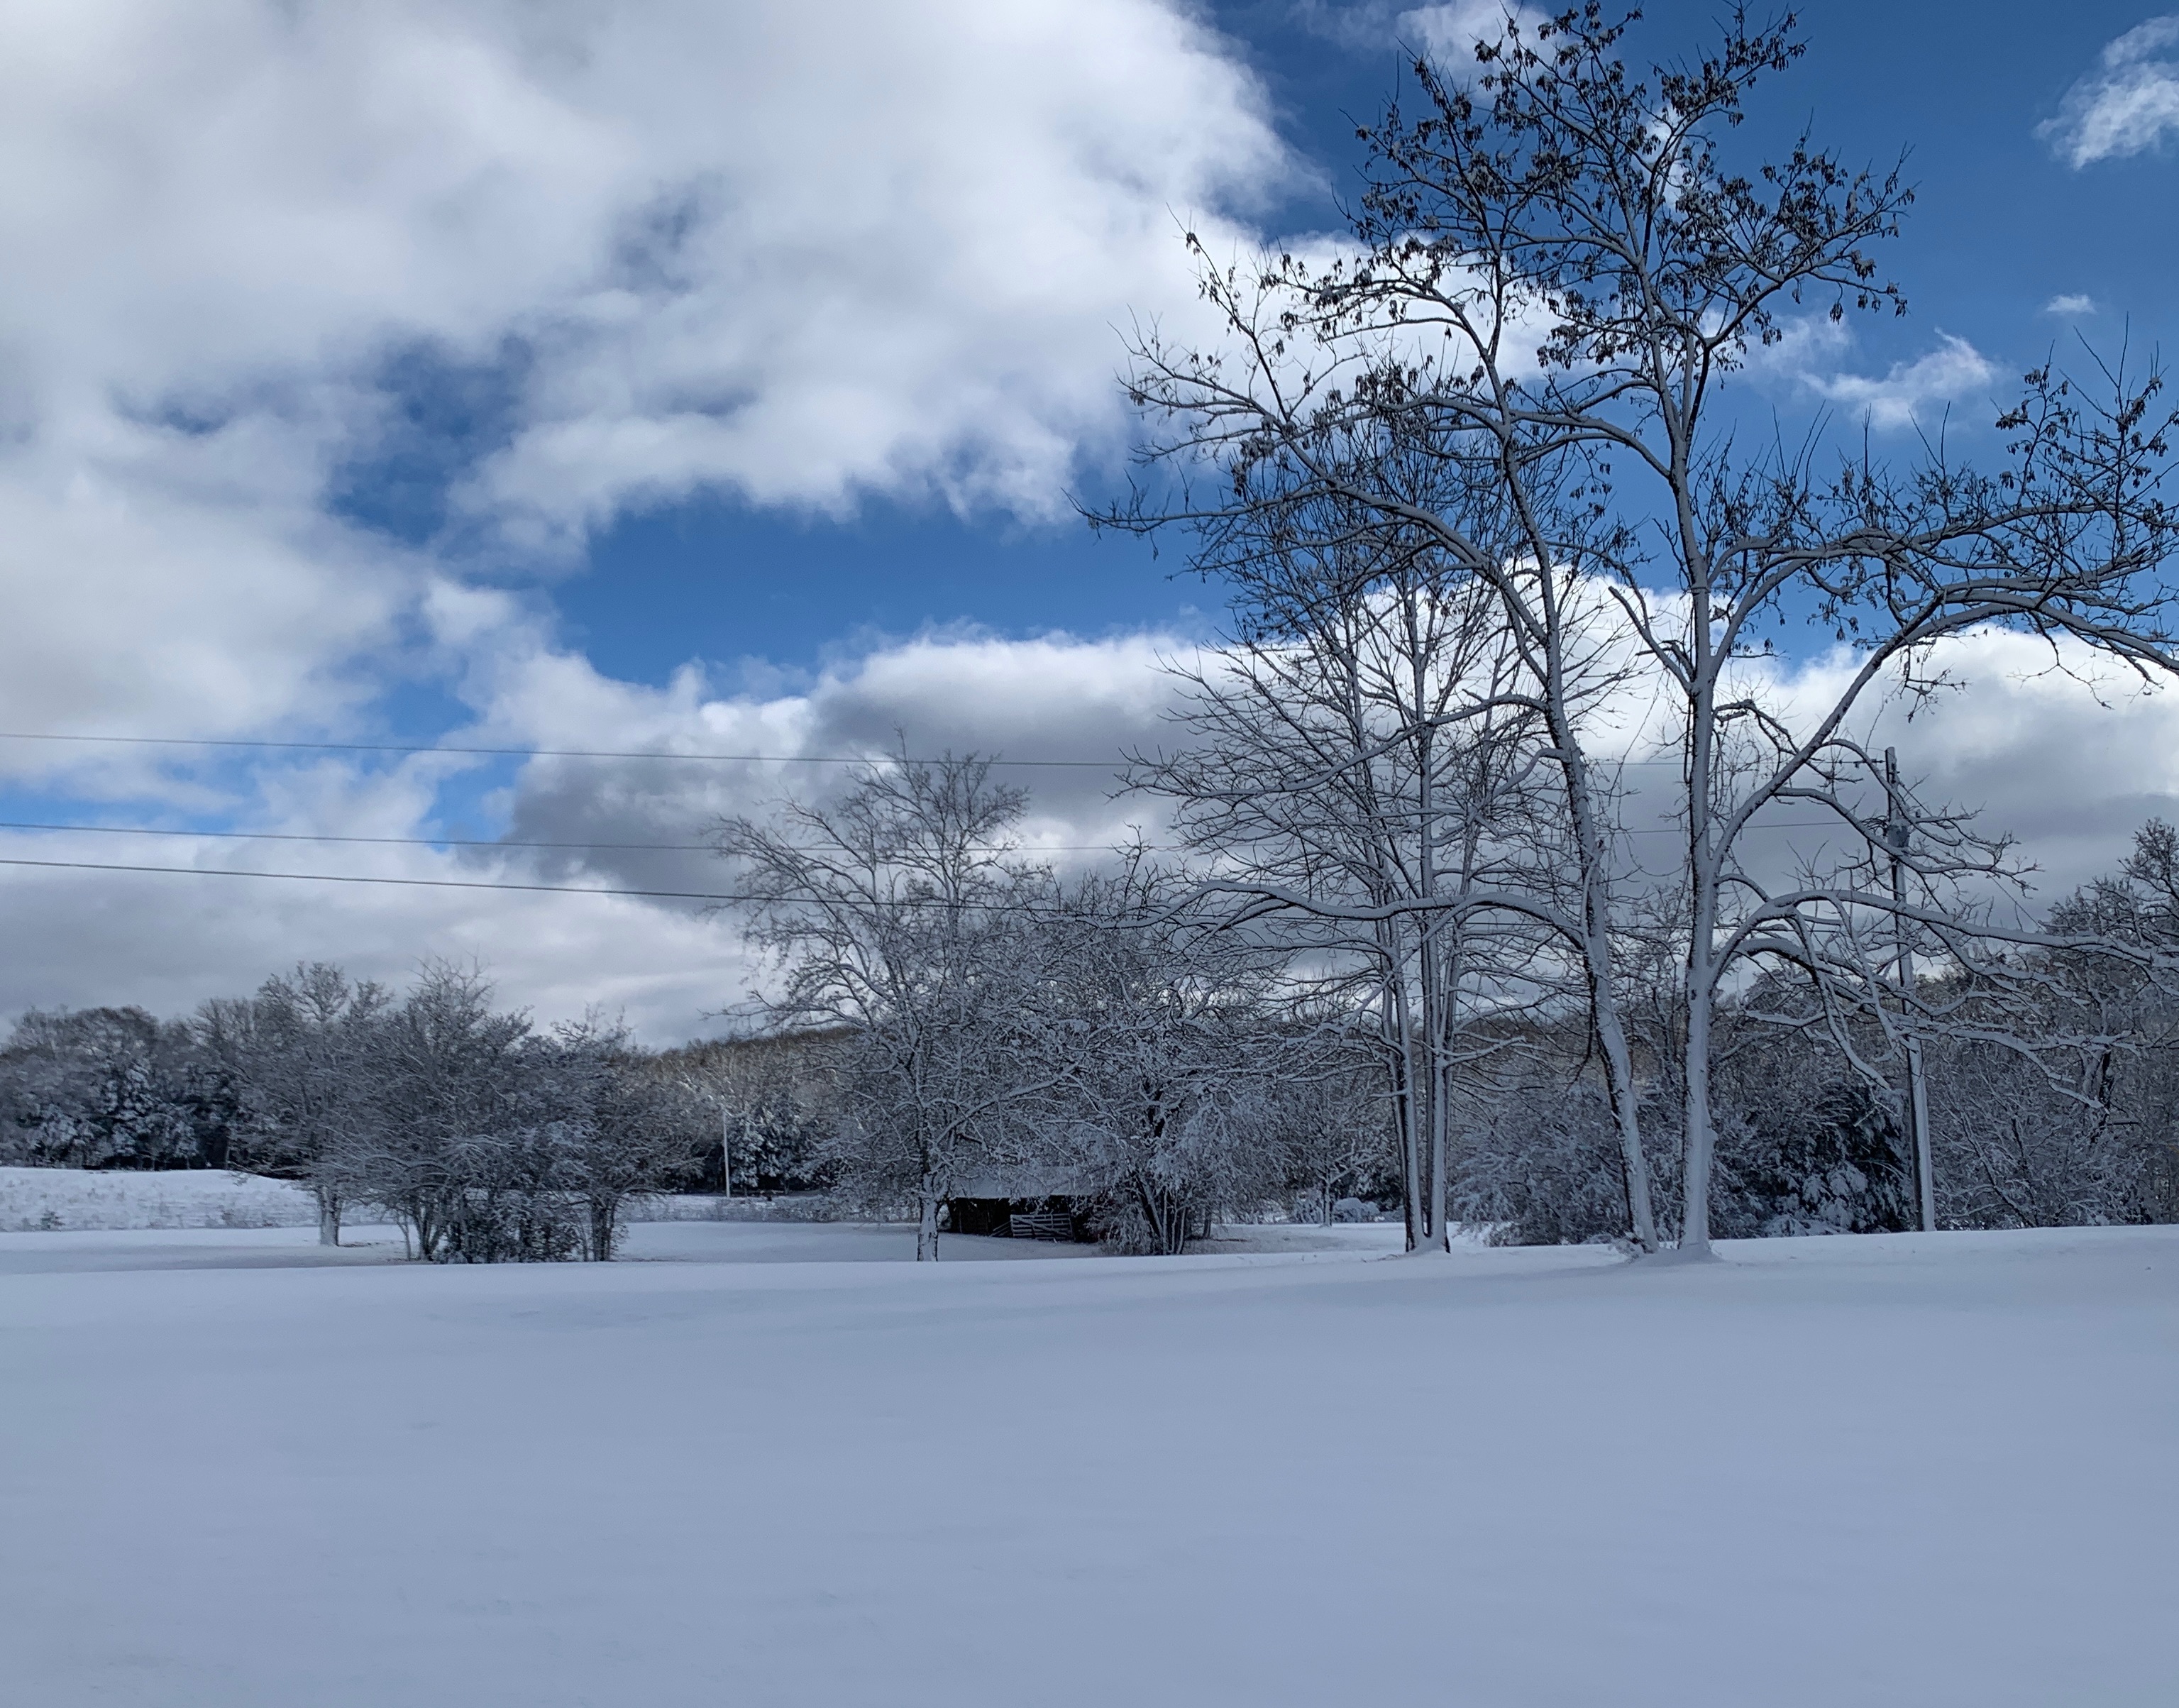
(1918, 1097)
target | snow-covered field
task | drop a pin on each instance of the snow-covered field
(49, 1199)
(77, 1198)
(1922, 1471)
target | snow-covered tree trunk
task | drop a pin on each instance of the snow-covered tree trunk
(929, 1200)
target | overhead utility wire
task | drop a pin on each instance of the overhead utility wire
(460, 883)
(412, 883)
(522, 752)
(671, 847)
(551, 889)
(586, 752)
(484, 842)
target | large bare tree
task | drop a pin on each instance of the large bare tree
(1522, 360)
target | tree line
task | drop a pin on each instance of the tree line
(946, 1010)
(1527, 872)
(485, 1139)
(960, 1010)
(1486, 784)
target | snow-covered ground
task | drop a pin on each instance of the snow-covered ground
(78, 1198)
(49, 1199)
(645, 1242)
(1926, 1470)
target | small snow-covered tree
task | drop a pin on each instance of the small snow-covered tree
(894, 918)
(103, 1088)
(303, 1049)
(440, 1078)
(1161, 1037)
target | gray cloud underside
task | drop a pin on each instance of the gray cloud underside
(2036, 749)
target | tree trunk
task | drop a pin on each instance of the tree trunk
(1596, 947)
(926, 1226)
(1441, 1076)
(1700, 1138)
(329, 1217)
(1401, 1040)
(605, 1222)
(1619, 1081)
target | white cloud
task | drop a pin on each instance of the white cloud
(1953, 372)
(168, 942)
(2051, 746)
(1810, 353)
(2033, 748)
(798, 254)
(1448, 32)
(2129, 104)
(2070, 305)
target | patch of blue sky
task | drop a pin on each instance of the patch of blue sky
(713, 581)
(440, 414)
(2001, 227)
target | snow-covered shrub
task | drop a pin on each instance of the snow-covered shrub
(1542, 1168)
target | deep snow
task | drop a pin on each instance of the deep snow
(1911, 1469)
(80, 1197)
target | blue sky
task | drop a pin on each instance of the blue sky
(2001, 228)
(674, 376)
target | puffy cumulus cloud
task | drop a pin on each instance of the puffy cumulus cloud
(2071, 305)
(794, 253)
(2052, 747)
(169, 940)
(1810, 353)
(2048, 745)
(159, 580)
(1447, 32)
(1061, 714)
(2069, 764)
(1954, 371)
(2129, 104)
(881, 252)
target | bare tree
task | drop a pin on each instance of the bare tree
(1323, 1116)
(893, 917)
(1161, 1036)
(439, 1079)
(1353, 763)
(1555, 270)
(303, 1045)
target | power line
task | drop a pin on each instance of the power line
(465, 883)
(1029, 848)
(597, 753)
(412, 883)
(480, 842)
(549, 889)
(527, 752)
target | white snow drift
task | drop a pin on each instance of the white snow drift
(1889, 1471)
